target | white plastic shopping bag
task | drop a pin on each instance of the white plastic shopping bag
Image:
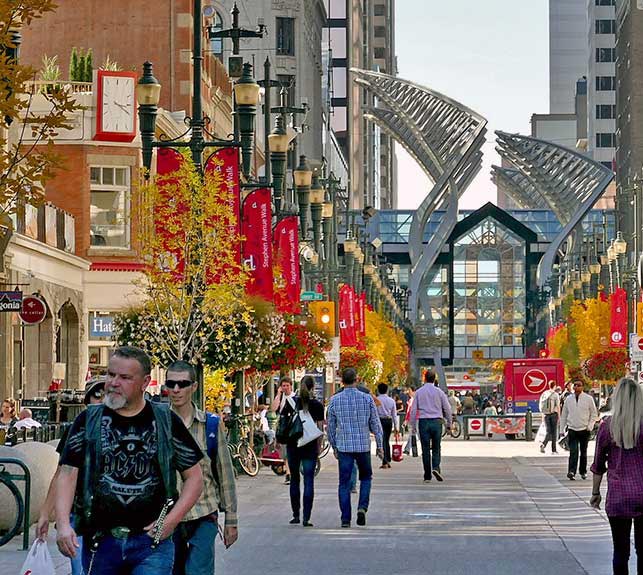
(38, 561)
(541, 433)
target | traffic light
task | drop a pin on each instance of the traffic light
(543, 353)
(323, 313)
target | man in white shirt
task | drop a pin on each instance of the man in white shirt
(550, 408)
(387, 413)
(26, 420)
(579, 414)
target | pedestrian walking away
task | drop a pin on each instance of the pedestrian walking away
(430, 408)
(550, 408)
(352, 417)
(303, 453)
(195, 536)
(387, 412)
(123, 456)
(412, 441)
(579, 415)
(619, 453)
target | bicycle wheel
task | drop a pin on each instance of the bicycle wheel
(317, 467)
(18, 509)
(325, 447)
(444, 430)
(248, 459)
(456, 429)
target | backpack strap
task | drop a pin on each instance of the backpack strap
(212, 441)
(165, 453)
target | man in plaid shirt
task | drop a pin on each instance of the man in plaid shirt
(194, 538)
(352, 417)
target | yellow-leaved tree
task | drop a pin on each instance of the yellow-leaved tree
(388, 345)
(592, 321)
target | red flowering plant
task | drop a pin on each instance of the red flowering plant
(302, 347)
(368, 369)
(608, 366)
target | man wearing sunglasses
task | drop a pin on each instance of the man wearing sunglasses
(579, 414)
(194, 538)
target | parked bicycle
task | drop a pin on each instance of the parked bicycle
(456, 428)
(242, 453)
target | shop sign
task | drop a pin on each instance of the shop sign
(101, 326)
(10, 301)
(33, 311)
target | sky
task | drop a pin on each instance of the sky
(491, 56)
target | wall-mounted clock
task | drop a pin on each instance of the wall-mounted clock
(115, 106)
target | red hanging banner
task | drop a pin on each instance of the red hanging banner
(347, 335)
(362, 314)
(618, 323)
(257, 244)
(222, 174)
(286, 245)
(169, 214)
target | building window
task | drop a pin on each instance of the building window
(379, 53)
(605, 83)
(604, 2)
(608, 165)
(216, 44)
(285, 36)
(379, 31)
(605, 111)
(605, 27)
(605, 140)
(379, 10)
(109, 207)
(606, 54)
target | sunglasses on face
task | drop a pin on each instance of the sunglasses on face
(182, 383)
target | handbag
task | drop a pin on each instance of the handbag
(396, 453)
(310, 430)
(290, 428)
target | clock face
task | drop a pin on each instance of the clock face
(116, 106)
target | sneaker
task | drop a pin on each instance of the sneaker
(307, 523)
(427, 480)
(542, 448)
(361, 517)
(437, 475)
(583, 475)
(571, 476)
(287, 480)
(294, 521)
(346, 524)
(554, 452)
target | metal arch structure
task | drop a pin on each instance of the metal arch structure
(516, 185)
(445, 138)
(564, 180)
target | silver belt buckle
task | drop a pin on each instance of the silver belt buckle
(120, 532)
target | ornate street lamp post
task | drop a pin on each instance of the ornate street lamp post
(278, 142)
(303, 176)
(316, 210)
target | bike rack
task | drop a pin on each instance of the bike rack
(26, 477)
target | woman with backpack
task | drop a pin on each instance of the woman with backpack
(619, 453)
(303, 453)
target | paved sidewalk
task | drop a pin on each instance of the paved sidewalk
(12, 557)
(503, 509)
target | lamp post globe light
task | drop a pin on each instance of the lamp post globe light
(246, 94)
(303, 176)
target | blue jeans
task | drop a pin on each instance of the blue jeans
(194, 546)
(308, 464)
(430, 431)
(346, 464)
(354, 477)
(131, 556)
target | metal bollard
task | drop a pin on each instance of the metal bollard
(529, 432)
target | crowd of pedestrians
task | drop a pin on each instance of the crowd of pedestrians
(141, 485)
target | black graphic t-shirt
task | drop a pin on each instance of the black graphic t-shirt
(130, 490)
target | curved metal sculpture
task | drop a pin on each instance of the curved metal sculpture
(445, 138)
(561, 179)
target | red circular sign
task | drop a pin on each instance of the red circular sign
(34, 310)
(535, 381)
(476, 424)
(641, 344)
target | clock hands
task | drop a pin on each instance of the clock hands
(122, 107)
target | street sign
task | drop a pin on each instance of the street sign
(475, 426)
(34, 310)
(636, 347)
(311, 296)
(10, 301)
(535, 381)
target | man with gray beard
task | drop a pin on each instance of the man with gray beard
(119, 470)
